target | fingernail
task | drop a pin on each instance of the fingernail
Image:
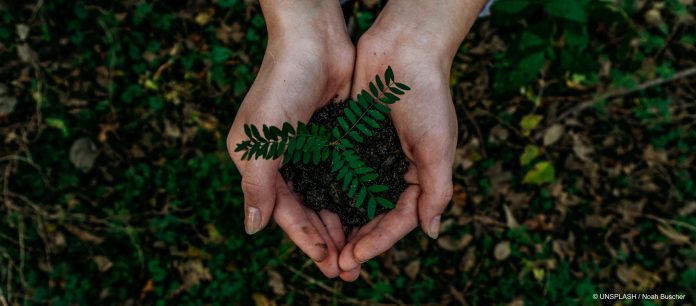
(434, 229)
(252, 223)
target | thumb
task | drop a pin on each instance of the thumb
(258, 186)
(436, 185)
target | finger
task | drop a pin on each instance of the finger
(396, 224)
(436, 192)
(329, 265)
(350, 276)
(258, 185)
(346, 260)
(291, 217)
(411, 175)
(334, 227)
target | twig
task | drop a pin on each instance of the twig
(386, 295)
(3, 302)
(321, 285)
(624, 91)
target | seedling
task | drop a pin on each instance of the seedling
(313, 143)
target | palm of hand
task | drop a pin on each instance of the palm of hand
(290, 86)
(426, 124)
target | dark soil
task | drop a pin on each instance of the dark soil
(321, 190)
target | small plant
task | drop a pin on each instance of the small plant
(314, 143)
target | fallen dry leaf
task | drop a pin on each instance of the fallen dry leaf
(149, 287)
(581, 149)
(553, 134)
(673, 235)
(83, 152)
(413, 268)
(83, 235)
(193, 272)
(103, 263)
(7, 101)
(509, 218)
(502, 250)
(451, 244)
(262, 300)
(275, 280)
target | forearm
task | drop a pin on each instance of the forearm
(298, 19)
(440, 26)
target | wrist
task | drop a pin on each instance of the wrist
(292, 23)
(435, 27)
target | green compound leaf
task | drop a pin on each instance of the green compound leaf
(342, 122)
(349, 114)
(380, 85)
(257, 135)
(280, 149)
(345, 144)
(316, 156)
(363, 129)
(247, 131)
(272, 150)
(343, 172)
(373, 89)
(392, 98)
(389, 75)
(403, 86)
(367, 97)
(382, 108)
(377, 188)
(363, 170)
(288, 129)
(371, 207)
(291, 145)
(371, 122)
(325, 152)
(346, 180)
(356, 136)
(361, 197)
(296, 158)
(353, 188)
(384, 202)
(267, 132)
(376, 115)
(369, 177)
(363, 102)
(276, 132)
(396, 90)
(244, 145)
(335, 166)
(354, 106)
(312, 143)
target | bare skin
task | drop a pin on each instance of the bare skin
(419, 42)
(309, 61)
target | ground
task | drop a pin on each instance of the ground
(574, 172)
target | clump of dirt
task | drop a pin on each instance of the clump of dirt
(320, 189)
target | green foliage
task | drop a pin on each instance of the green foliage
(314, 144)
(543, 172)
(157, 220)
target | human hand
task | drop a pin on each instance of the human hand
(419, 43)
(308, 62)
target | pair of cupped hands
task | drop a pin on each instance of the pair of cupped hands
(309, 62)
